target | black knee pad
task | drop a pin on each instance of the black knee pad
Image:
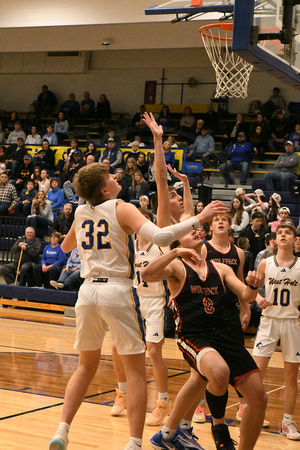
(217, 404)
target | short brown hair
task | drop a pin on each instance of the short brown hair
(89, 181)
(286, 225)
(56, 234)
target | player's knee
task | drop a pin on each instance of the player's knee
(220, 377)
(154, 350)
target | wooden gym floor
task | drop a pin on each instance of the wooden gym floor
(37, 360)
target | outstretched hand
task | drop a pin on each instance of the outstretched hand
(156, 129)
(211, 210)
(181, 176)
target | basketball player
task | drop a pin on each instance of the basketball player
(280, 320)
(198, 289)
(102, 232)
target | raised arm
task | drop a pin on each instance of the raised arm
(187, 195)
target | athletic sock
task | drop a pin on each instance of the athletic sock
(185, 424)
(123, 386)
(163, 396)
(287, 417)
(167, 433)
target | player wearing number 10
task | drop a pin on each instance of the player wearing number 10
(280, 320)
(102, 231)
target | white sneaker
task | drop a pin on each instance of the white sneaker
(56, 285)
(289, 430)
(120, 403)
(132, 446)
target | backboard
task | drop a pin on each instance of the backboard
(254, 23)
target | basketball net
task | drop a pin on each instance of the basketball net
(232, 71)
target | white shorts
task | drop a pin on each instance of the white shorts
(270, 331)
(109, 305)
(153, 310)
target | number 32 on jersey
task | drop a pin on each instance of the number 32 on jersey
(100, 233)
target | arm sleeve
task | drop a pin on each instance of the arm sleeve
(165, 236)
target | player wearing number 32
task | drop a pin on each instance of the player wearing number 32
(102, 231)
(280, 320)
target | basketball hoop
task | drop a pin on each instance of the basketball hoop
(232, 72)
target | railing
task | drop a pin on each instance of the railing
(11, 228)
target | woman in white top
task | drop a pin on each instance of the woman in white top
(34, 138)
(44, 184)
(239, 217)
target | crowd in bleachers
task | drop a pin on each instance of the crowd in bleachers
(40, 187)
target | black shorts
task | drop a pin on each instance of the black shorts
(236, 356)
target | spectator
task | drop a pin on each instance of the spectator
(64, 162)
(283, 107)
(197, 130)
(271, 248)
(283, 217)
(199, 206)
(135, 151)
(33, 119)
(139, 186)
(75, 164)
(255, 232)
(113, 153)
(259, 143)
(14, 155)
(297, 245)
(46, 101)
(258, 202)
(8, 195)
(36, 177)
(232, 132)
(111, 134)
(204, 146)
(124, 183)
(44, 183)
(41, 217)
(261, 122)
(144, 203)
(61, 127)
(164, 118)
(9, 123)
(172, 141)
(285, 170)
(50, 136)
(240, 158)
(142, 165)
(169, 155)
(137, 138)
(92, 150)
(25, 170)
(103, 111)
(138, 125)
(239, 217)
(273, 102)
(23, 205)
(295, 137)
(90, 159)
(2, 159)
(280, 131)
(186, 126)
(211, 120)
(70, 108)
(34, 138)
(45, 157)
(52, 262)
(16, 134)
(106, 161)
(87, 108)
(274, 206)
(64, 220)
(56, 197)
(70, 279)
(29, 246)
(243, 244)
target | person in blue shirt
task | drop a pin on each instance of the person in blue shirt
(169, 155)
(295, 137)
(56, 197)
(50, 136)
(164, 119)
(52, 262)
(240, 154)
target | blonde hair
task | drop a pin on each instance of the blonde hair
(89, 181)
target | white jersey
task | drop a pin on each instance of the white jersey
(104, 248)
(282, 287)
(142, 259)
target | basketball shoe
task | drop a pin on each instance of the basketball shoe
(289, 430)
(120, 403)
(157, 416)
